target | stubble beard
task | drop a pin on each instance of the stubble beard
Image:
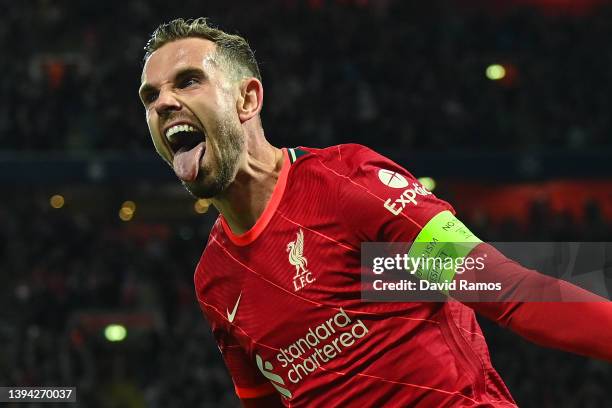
(212, 181)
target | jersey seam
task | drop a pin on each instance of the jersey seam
(347, 246)
(339, 373)
(451, 321)
(482, 365)
(239, 328)
(329, 306)
(367, 191)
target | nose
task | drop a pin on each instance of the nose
(166, 102)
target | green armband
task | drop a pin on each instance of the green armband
(442, 245)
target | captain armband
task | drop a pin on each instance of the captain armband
(443, 246)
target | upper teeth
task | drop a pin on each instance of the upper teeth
(179, 128)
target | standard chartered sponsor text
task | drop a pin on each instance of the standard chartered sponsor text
(320, 345)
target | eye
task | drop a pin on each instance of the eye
(149, 97)
(187, 82)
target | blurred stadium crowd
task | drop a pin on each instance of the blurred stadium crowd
(334, 71)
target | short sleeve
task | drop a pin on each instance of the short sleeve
(381, 201)
(248, 381)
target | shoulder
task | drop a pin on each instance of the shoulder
(341, 153)
(344, 159)
(353, 161)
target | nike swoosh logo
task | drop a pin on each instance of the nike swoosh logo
(232, 316)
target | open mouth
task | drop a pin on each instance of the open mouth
(188, 144)
(184, 137)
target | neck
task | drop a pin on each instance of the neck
(243, 202)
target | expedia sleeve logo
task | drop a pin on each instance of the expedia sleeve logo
(409, 195)
(392, 178)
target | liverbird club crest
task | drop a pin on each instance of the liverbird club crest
(296, 258)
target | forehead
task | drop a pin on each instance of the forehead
(175, 55)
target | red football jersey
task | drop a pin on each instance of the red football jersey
(283, 299)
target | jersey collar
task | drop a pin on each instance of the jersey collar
(263, 220)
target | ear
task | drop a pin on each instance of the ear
(250, 100)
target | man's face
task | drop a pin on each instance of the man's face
(190, 105)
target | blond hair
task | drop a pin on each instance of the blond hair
(233, 49)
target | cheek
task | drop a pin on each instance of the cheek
(213, 105)
(151, 123)
(158, 142)
(161, 148)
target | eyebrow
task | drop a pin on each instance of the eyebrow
(178, 76)
(188, 72)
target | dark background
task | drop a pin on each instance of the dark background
(528, 157)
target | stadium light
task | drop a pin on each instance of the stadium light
(125, 214)
(428, 183)
(115, 332)
(201, 206)
(129, 204)
(495, 72)
(128, 208)
(57, 201)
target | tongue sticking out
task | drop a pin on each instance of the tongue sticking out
(187, 162)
